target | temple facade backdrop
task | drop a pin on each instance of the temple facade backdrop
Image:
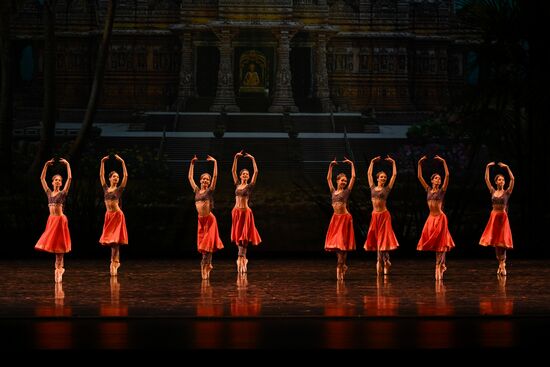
(398, 56)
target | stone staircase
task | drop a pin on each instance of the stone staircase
(264, 135)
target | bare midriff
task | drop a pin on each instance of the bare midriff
(435, 207)
(203, 207)
(340, 208)
(112, 205)
(499, 207)
(56, 209)
(241, 202)
(378, 205)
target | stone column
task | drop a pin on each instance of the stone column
(282, 97)
(225, 91)
(186, 87)
(322, 90)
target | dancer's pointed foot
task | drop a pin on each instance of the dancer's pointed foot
(501, 268)
(378, 268)
(341, 270)
(244, 266)
(387, 266)
(114, 268)
(59, 275)
(207, 268)
(439, 270)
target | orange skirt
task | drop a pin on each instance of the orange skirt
(340, 235)
(497, 233)
(208, 237)
(56, 238)
(435, 235)
(114, 229)
(381, 236)
(243, 229)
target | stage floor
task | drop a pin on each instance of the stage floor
(293, 303)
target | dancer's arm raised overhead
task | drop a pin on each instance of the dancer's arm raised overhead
(446, 180)
(419, 173)
(329, 174)
(124, 171)
(255, 174)
(488, 177)
(352, 179)
(393, 173)
(191, 174)
(43, 175)
(234, 167)
(102, 171)
(369, 171)
(512, 179)
(215, 173)
(69, 175)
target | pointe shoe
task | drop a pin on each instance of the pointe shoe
(501, 269)
(114, 268)
(244, 264)
(387, 266)
(378, 268)
(207, 269)
(341, 271)
(59, 275)
(439, 270)
(241, 265)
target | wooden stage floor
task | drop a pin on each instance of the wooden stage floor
(294, 303)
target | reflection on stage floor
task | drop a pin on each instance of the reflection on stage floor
(295, 303)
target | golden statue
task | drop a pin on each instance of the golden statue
(251, 79)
